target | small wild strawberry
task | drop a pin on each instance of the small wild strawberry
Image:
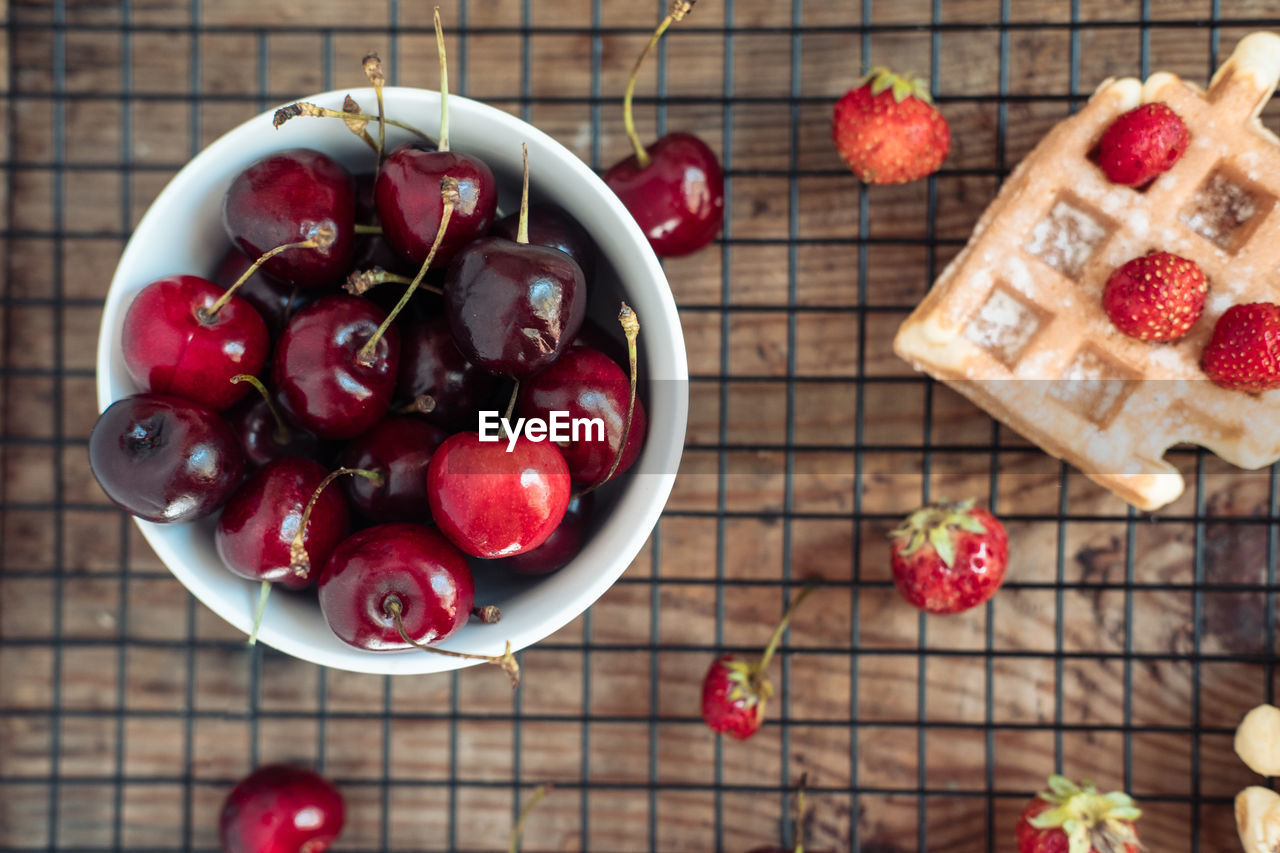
(949, 557)
(1071, 818)
(1244, 352)
(888, 131)
(734, 691)
(1142, 144)
(1157, 297)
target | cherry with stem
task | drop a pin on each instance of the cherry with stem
(392, 608)
(631, 328)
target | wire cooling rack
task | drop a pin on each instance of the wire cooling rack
(1123, 647)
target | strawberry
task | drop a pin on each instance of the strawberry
(1244, 352)
(1071, 818)
(949, 557)
(1141, 144)
(888, 131)
(734, 692)
(1157, 297)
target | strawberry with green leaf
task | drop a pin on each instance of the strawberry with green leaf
(1071, 818)
(888, 131)
(949, 557)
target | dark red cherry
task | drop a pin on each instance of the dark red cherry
(432, 365)
(408, 563)
(320, 373)
(410, 205)
(494, 503)
(678, 199)
(260, 435)
(285, 198)
(173, 344)
(164, 458)
(399, 448)
(586, 383)
(513, 308)
(276, 302)
(561, 546)
(553, 227)
(281, 809)
(257, 527)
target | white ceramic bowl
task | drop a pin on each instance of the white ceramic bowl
(182, 233)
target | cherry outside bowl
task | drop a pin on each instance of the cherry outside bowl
(182, 233)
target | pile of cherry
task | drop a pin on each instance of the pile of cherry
(356, 466)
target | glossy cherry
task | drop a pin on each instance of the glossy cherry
(551, 226)
(513, 308)
(163, 458)
(174, 342)
(275, 301)
(399, 448)
(676, 195)
(431, 365)
(561, 546)
(495, 503)
(322, 374)
(586, 383)
(257, 528)
(406, 563)
(281, 809)
(675, 187)
(408, 192)
(284, 198)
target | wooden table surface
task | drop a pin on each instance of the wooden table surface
(1124, 647)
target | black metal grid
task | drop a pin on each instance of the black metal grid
(95, 809)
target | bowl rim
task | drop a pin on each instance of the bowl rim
(648, 489)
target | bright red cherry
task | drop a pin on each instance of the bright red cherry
(176, 340)
(405, 567)
(324, 375)
(432, 366)
(675, 187)
(288, 197)
(586, 383)
(163, 458)
(494, 503)
(676, 193)
(281, 809)
(561, 546)
(415, 181)
(399, 448)
(257, 528)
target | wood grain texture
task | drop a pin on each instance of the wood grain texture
(1122, 641)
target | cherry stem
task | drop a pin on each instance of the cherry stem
(631, 328)
(299, 561)
(782, 626)
(489, 614)
(368, 229)
(448, 192)
(506, 416)
(518, 830)
(804, 780)
(264, 592)
(393, 608)
(444, 83)
(679, 8)
(522, 232)
(423, 404)
(320, 237)
(304, 108)
(372, 64)
(282, 433)
(357, 125)
(361, 281)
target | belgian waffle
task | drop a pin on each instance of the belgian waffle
(1016, 324)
